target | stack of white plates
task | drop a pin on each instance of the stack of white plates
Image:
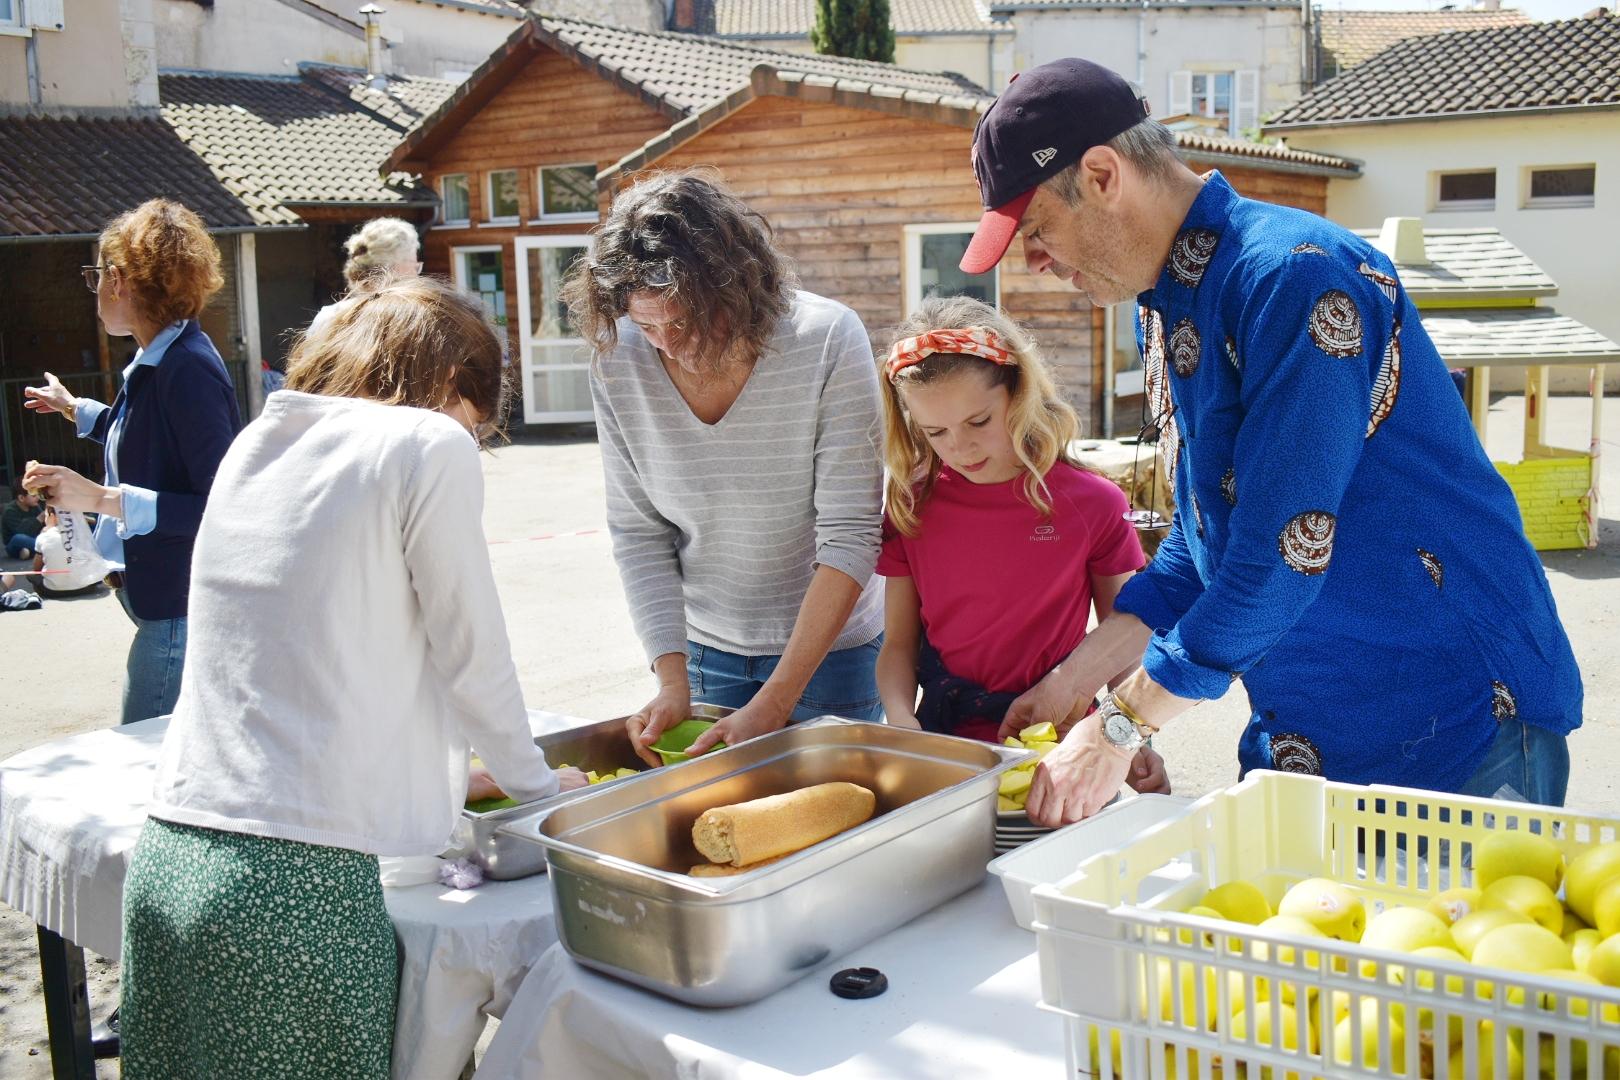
(1014, 829)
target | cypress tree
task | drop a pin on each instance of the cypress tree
(860, 29)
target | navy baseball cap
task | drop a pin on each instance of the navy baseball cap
(1039, 126)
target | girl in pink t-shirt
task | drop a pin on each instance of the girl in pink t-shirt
(996, 546)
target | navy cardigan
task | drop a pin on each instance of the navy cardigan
(179, 419)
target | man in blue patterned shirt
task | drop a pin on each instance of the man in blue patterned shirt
(1341, 542)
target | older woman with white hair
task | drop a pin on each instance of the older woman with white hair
(382, 250)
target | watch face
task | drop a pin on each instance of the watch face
(1118, 727)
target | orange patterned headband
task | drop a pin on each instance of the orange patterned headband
(980, 341)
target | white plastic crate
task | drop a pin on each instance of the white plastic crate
(1111, 937)
(1057, 855)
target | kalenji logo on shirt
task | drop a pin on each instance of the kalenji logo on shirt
(1045, 533)
(1043, 156)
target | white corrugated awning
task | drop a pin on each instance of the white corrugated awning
(1474, 338)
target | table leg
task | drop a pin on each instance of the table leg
(67, 1007)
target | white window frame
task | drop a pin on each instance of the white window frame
(489, 200)
(12, 25)
(458, 273)
(1442, 205)
(912, 265)
(454, 223)
(544, 218)
(1553, 202)
(1245, 96)
(527, 366)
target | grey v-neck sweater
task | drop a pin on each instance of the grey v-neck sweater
(717, 528)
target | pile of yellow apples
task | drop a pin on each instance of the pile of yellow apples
(1041, 738)
(592, 777)
(1527, 912)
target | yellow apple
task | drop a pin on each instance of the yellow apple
(1470, 928)
(1528, 896)
(1504, 854)
(1522, 947)
(1329, 906)
(1453, 904)
(1587, 873)
(1239, 901)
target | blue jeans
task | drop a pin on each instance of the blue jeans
(844, 685)
(156, 658)
(21, 542)
(1530, 761)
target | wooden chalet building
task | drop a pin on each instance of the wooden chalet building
(861, 168)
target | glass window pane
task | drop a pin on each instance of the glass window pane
(453, 190)
(503, 194)
(1468, 186)
(7, 12)
(1223, 95)
(940, 275)
(559, 381)
(484, 275)
(548, 266)
(568, 189)
(1563, 183)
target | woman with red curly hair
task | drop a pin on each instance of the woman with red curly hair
(165, 433)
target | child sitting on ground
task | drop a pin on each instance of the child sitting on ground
(996, 546)
(73, 565)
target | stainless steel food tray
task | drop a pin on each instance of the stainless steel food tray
(592, 747)
(626, 906)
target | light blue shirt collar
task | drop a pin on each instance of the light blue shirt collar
(152, 355)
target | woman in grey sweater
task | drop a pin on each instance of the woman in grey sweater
(738, 418)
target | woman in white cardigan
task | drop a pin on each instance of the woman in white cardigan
(347, 647)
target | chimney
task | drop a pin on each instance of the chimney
(1402, 240)
(374, 46)
(692, 16)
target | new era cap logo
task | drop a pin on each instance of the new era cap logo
(1043, 156)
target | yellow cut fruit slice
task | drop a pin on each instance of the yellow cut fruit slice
(1006, 805)
(1042, 732)
(1015, 782)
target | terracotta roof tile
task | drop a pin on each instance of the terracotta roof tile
(1351, 37)
(1550, 65)
(404, 99)
(68, 177)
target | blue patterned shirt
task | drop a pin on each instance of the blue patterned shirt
(1341, 543)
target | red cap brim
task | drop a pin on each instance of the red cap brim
(995, 234)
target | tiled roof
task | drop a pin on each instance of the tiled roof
(1009, 6)
(287, 140)
(690, 71)
(65, 177)
(1471, 263)
(1197, 144)
(1552, 65)
(1516, 336)
(794, 18)
(678, 74)
(1349, 37)
(405, 100)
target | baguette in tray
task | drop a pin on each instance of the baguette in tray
(717, 870)
(747, 833)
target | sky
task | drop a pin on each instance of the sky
(1539, 10)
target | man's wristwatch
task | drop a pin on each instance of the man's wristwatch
(1120, 727)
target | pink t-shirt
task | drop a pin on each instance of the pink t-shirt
(1005, 592)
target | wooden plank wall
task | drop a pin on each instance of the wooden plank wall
(839, 185)
(553, 112)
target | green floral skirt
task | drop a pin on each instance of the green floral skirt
(247, 957)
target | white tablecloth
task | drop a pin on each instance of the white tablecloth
(963, 983)
(71, 811)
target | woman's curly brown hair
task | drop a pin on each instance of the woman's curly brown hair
(687, 238)
(166, 259)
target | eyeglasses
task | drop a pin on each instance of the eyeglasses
(92, 276)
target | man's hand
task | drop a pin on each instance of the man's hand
(65, 489)
(1046, 701)
(1148, 775)
(1078, 778)
(761, 716)
(672, 705)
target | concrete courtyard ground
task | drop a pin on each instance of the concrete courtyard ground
(576, 654)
